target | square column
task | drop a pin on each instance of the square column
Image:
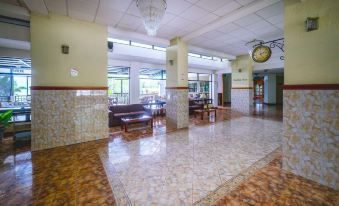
(242, 81)
(135, 81)
(215, 88)
(177, 84)
(311, 93)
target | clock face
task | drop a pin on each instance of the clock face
(261, 53)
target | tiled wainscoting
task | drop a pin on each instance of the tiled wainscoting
(242, 100)
(176, 106)
(64, 117)
(311, 132)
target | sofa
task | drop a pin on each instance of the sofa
(116, 112)
(193, 105)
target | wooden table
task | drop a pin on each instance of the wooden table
(125, 121)
(208, 111)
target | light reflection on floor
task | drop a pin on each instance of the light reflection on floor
(181, 167)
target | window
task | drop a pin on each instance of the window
(194, 55)
(206, 57)
(15, 79)
(118, 85)
(199, 85)
(147, 46)
(159, 48)
(217, 59)
(119, 41)
(192, 76)
(152, 84)
(5, 87)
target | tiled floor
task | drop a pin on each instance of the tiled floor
(181, 167)
(74, 175)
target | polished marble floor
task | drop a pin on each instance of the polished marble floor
(75, 175)
(181, 167)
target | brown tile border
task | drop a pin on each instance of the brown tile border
(229, 185)
(312, 87)
(67, 88)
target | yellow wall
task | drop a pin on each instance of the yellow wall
(311, 57)
(87, 53)
(243, 78)
(177, 73)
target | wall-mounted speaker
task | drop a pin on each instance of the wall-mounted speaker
(64, 49)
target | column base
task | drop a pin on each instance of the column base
(177, 107)
(242, 100)
(64, 117)
(311, 134)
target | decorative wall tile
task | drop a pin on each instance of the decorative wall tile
(177, 107)
(63, 117)
(242, 100)
(311, 135)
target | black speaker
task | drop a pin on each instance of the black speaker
(110, 45)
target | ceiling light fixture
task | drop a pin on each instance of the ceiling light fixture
(152, 12)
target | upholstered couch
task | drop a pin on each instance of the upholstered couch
(116, 112)
(193, 105)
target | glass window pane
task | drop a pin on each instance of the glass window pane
(206, 57)
(217, 59)
(21, 71)
(146, 73)
(125, 86)
(147, 46)
(159, 48)
(29, 79)
(164, 74)
(152, 89)
(5, 85)
(119, 41)
(5, 70)
(118, 84)
(205, 77)
(192, 76)
(194, 55)
(204, 86)
(19, 85)
(192, 86)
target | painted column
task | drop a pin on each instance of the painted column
(311, 92)
(69, 90)
(270, 88)
(134, 83)
(177, 84)
(215, 87)
(242, 81)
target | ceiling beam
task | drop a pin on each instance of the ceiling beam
(38, 6)
(12, 11)
(231, 17)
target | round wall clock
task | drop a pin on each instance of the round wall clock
(261, 53)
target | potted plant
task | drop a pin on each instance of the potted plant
(4, 121)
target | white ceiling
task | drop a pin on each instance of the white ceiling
(182, 18)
